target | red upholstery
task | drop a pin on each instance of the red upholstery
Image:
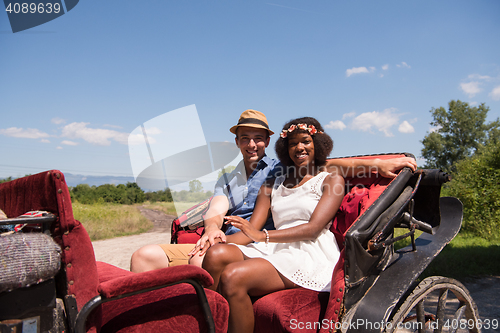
(151, 312)
(170, 309)
(185, 237)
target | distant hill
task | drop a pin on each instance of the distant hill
(73, 180)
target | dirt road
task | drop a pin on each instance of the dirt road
(117, 251)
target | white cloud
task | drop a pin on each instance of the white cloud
(382, 121)
(406, 127)
(29, 133)
(471, 88)
(58, 121)
(153, 131)
(348, 115)
(479, 77)
(337, 124)
(97, 136)
(69, 143)
(372, 69)
(476, 83)
(45, 141)
(356, 70)
(135, 139)
(435, 128)
(59, 147)
(495, 93)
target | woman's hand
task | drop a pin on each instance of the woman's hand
(246, 227)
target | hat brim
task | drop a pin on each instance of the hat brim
(235, 127)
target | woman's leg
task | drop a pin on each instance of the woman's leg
(218, 257)
(240, 280)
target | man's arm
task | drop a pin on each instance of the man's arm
(214, 218)
(353, 167)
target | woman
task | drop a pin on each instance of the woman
(301, 251)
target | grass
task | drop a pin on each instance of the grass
(465, 257)
(104, 221)
(168, 207)
(109, 220)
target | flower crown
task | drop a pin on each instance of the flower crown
(311, 129)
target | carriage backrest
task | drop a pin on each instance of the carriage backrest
(48, 191)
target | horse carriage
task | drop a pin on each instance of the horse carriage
(51, 282)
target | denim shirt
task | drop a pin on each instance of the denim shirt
(242, 192)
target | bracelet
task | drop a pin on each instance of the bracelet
(267, 236)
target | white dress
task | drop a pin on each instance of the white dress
(308, 264)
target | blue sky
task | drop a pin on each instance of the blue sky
(73, 89)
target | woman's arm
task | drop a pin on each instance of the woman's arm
(257, 221)
(355, 167)
(333, 193)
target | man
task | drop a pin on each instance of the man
(236, 194)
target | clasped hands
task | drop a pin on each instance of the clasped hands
(211, 238)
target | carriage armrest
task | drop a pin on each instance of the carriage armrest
(130, 284)
(146, 280)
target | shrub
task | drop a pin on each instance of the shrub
(477, 184)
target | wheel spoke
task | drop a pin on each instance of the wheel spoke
(421, 316)
(458, 315)
(440, 312)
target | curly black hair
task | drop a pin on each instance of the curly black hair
(323, 143)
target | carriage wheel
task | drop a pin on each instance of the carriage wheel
(437, 304)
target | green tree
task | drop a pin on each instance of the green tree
(167, 195)
(459, 132)
(477, 184)
(227, 169)
(83, 193)
(134, 193)
(4, 180)
(195, 186)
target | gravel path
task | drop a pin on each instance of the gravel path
(117, 251)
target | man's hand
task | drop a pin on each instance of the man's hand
(386, 168)
(207, 240)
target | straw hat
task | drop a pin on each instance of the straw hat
(252, 118)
